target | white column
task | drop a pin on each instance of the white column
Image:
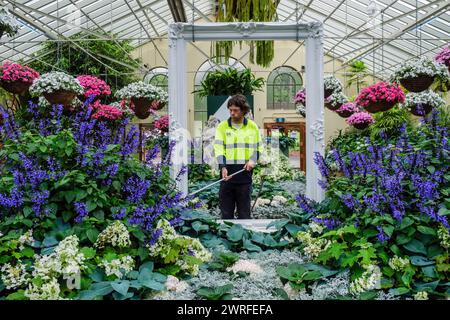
(314, 113)
(178, 111)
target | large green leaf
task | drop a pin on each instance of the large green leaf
(420, 261)
(415, 246)
(235, 233)
(121, 286)
(249, 246)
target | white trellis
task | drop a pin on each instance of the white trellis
(312, 32)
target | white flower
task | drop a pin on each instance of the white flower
(47, 291)
(54, 81)
(248, 266)
(262, 202)
(369, 280)
(421, 295)
(315, 227)
(8, 23)
(416, 67)
(115, 234)
(26, 238)
(312, 246)
(425, 97)
(118, 267)
(444, 236)
(14, 277)
(332, 83)
(397, 263)
(301, 110)
(174, 284)
(337, 98)
(142, 90)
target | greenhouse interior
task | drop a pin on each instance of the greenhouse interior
(165, 150)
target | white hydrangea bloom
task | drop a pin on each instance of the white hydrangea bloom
(444, 236)
(248, 266)
(14, 276)
(369, 280)
(312, 246)
(174, 284)
(421, 295)
(54, 81)
(115, 234)
(26, 238)
(315, 227)
(118, 267)
(47, 291)
(397, 263)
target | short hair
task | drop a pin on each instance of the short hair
(240, 101)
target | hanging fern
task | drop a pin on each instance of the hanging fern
(247, 10)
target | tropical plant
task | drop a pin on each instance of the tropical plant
(357, 72)
(247, 10)
(389, 123)
(230, 82)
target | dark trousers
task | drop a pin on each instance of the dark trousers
(232, 196)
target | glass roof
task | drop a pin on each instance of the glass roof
(382, 33)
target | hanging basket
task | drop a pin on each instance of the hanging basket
(142, 107)
(83, 98)
(15, 87)
(421, 110)
(417, 84)
(328, 105)
(157, 105)
(361, 126)
(327, 93)
(345, 114)
(62, 97)
(379, 106)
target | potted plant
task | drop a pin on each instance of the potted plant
(107, 113)
(360, 120)
(335, 100)
(144, 97)
(8, 24)
(420, 104)
(380, 96)
(57, 87)
(418, 74)
(347, 109)
(331, 85)
(300, 101)
(219, 85)
(443, 57)
(93, 86)
(16, 78)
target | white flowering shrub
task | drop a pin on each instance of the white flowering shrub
(116, 235)
(312, 246)
(142, 90)
(416, 67)
(118, 267)
(337, 98)
(444, 236)
(54, 81)
(398, 264)
(14, 276)
(184, 252)
(427, 97)
(369, 280)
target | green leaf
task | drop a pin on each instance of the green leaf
(426, 230)
(27, 252)
(429, 271)
(415, 246)
(198, 226)
(293, 229)
(388, 230)
(368, 295)
(98, 289)
(420, 261)
(406, 222)
(90, 205)
(49, 241)
(19, 295)
(27, 211)
(431, 285)
(121, 286)
(99, 214)
(92, 234)
(235, 233)
(402, 239)
(399, 291)
(313, 275)
(88, 253)
(147, 266)
(249, 246)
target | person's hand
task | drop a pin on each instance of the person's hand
(225, 174)
(249, 165)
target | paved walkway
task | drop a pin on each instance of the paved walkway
(259, 225)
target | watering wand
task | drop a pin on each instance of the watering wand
(215, 182)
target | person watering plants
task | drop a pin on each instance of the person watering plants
(237, 146)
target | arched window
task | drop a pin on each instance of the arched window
(200, 106)
(282, 84)
(159, 78)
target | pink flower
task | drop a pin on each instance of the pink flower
(360, 118)
(107, 113)
(93, 86)
(15, 72)
(444, 56)
(380, 92)
(300, 97)
(162, 123)
(348, 107)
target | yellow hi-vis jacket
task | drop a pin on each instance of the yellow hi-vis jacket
(234, 146)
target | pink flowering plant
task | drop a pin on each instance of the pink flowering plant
(162, 123)
(300, 97)
(443, 56)
(15, 72)
(107, 113)
(380, 92)
(93, 86)
(360, 118)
